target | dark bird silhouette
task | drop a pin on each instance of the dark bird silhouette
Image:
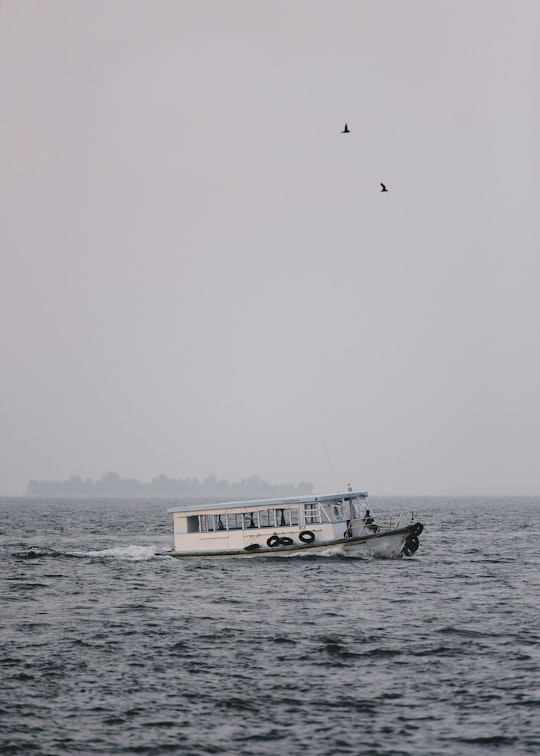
(346, 130)
(384, 189)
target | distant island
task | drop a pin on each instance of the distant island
(113, 484)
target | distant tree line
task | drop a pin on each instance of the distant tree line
(112, 484)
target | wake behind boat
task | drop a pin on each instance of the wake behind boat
(289, 526)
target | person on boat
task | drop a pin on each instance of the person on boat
(368, 519)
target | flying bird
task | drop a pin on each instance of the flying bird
(346, 130)
(384, 189)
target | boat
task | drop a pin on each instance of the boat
(332, 524)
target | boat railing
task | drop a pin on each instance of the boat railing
(382, 521)
(392, 520)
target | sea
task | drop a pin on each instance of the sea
(106, 648)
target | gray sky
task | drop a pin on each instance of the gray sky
(200, 274)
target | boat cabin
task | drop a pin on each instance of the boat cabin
(237, 525)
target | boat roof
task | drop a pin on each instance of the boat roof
(289, 500)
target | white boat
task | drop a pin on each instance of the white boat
(336, 524)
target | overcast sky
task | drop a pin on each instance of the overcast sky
(200, 275)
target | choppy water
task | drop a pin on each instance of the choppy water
(106, 648)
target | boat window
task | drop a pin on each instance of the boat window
(206, 523)
(337, 511)
(264, 518)
(251, 520)
(210, 523)
(235, 521)
(267, 518)
(357, 508)
(193, 525)
(286, 517)
(275, 518)
(312, 512)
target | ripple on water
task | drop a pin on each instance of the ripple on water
(109, 649)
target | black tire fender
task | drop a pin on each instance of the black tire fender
(273, 541)
(286, 541)
(411, 544)
(307, 536)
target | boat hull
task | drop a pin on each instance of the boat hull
(390, 544)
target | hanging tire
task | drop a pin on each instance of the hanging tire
(411, 544)
(306, 536)
(273, 541)
(417, 529)
(252, 547)
(286, 541)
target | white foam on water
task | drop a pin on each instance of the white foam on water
(333, 551)
(131, 553)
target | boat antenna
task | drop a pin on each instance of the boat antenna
(330, 465)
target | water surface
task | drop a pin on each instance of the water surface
(107, 648)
